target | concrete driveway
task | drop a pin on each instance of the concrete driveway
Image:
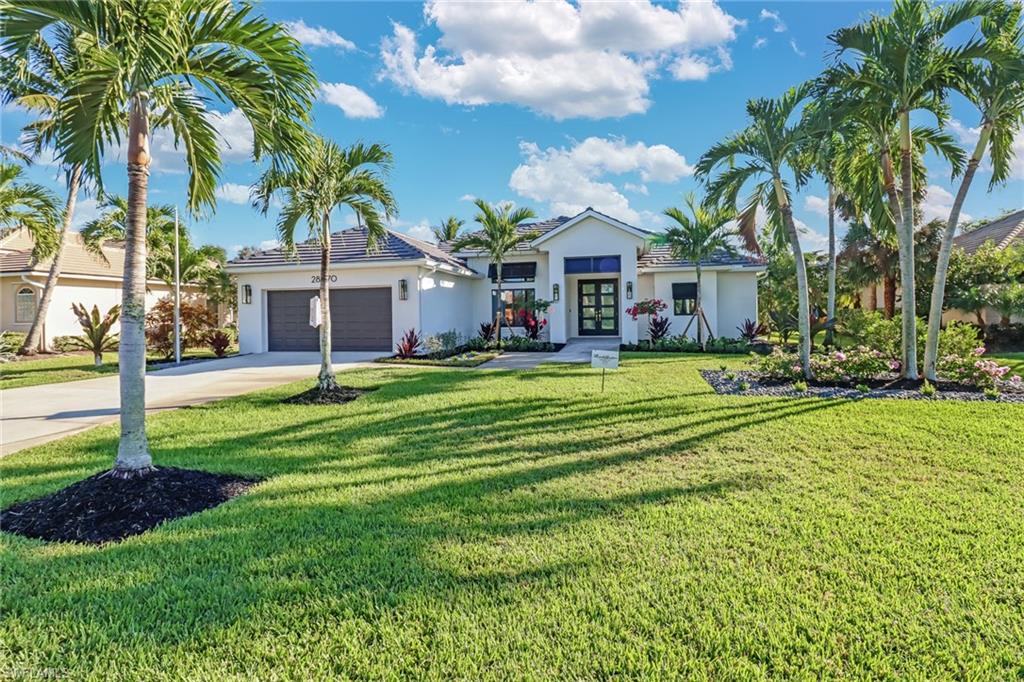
(38, 414)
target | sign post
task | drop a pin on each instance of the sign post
(604, 360)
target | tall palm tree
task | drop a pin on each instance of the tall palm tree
(760, 153)
(41, 84)
(160, 63)
(448, 230)
(332, 178)
(28, 205)
(903, 65)
(997, 90)
(870, 254)
(112, 226)
(696, 237)
(501, 231)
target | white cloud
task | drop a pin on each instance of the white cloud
(777, 24)
(268, 244)
(965, 134)
(236, 135)
(590, 60)
(1017, 163)
(817, 205)
(796, 49)
(467, 197)
(937, 203)
(350, 99)
(86, 209)
(233, 193)
(760, 42)
(570, 179)
(422, 231)
(633, 187)
(317, 36)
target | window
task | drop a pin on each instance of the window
(513, 272)
(684, 298)
(246, 293)
(580, 266)
(24, 305)
(515, 301)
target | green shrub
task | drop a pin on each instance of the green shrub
(524, 344)
(444, 343)
(800, 386)
(927, 388)
(743, 385)
(863, 388)
(63, 344)
(777, 365)
(992, 393)
(10, 342)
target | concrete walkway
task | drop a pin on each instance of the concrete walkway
(575, 351)
(38, 414)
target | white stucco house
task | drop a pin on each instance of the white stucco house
(591, 267)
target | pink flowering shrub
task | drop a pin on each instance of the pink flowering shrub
(973, 369)
(778, 365)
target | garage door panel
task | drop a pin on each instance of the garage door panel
(360, 320)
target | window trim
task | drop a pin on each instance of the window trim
(530, 294)
(591, 261)
(18, 318)
(492, 272)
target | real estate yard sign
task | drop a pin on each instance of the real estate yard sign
(604, 360)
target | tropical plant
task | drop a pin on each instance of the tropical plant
(658, 328)
(501, 231)
(903, 65)
(41, 83)
(761, 152)
(160, 64)
(196, 320)
(695, 238)
(997, 90)
(219, 341)
(409, 345)
(333, 178)
(30, 206)
(486, 331)
(751, 330)
(96, 336)
(448, 230)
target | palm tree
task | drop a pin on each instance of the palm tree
(501, 231)
(870, 254)
(767, 146)
(695, 238)
(904, 66)
(41, 84)
(112, 226)
(998, 93)
(448, 230)
(30, 206)
(160, 63)
(332, 178)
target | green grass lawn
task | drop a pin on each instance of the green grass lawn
(495, 525)
(70, 367)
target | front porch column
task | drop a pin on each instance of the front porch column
(628, 326)
(557, 312)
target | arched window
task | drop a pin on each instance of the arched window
(25, 305)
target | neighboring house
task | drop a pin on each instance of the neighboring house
(84, 278)
(1007, 231)
(590, 266)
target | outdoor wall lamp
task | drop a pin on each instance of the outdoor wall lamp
(629, 291)
(554, 292)
(246, 293)
(403, 290)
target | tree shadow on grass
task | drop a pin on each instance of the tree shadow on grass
(370, 510)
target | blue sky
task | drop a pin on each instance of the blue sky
(555, 106)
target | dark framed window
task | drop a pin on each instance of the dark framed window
(590, 264)
(514, 302)
(684, 298)
(513, 272)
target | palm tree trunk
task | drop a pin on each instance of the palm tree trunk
(830, 305)
(931, 344)
(698, 311)
(906, 244)
(500, 315)
(325, 381)
(873, 296)
(133, 456)
(35, 340)
(889, 296)
(803, 297)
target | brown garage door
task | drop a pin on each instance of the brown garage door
(360, 320)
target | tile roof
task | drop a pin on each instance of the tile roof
(542, 227)
(350, 246)
(1002, 232)
(660, 256)
(77, 260)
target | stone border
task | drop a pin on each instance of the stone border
(718, 381)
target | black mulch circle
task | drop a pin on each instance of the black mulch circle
(335, 396)
(104, 508)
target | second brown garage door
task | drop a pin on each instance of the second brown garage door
(360, 320)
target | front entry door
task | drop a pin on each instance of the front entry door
(599, 307)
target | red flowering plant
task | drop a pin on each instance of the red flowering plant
(657, 327)
(530, 318)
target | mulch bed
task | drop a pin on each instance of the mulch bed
(106, 508)
(314, 396)
(899, 389)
